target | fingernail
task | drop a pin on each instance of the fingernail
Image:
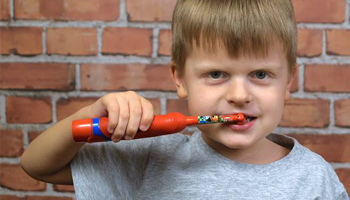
(110, 130)
(143, 127)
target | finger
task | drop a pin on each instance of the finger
(123, 119)
(147, 114)
(135, 116)
(111, 105)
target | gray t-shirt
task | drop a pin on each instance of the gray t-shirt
(178, 166)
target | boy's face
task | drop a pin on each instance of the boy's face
(216, 84)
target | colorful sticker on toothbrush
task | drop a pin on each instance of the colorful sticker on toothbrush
(213, 119)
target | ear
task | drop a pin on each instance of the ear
(290, 82)
(179, 82)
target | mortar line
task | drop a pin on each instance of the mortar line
(324, 43)
(3, 109)
(44, 43)
(155, 40)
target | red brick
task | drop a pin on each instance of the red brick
(150, 10)
(306, 113)
(295, 84)
(63, 188)
(26, 110)
(46, 198)
(72, 41)
(21, 40)
(131, 41)
(165, 39)
(333, 147)
(11, 143)
(177, 105)
(327, 78)
(37, 76)
(5, 10)
(342, 112)
(126, 77)
(344, 177)
(309, 42)
(14, 178)
(156, 106)
(66, 107)
(338, 42)
(32, 135)
(320, 11)
(67, 10)
(10, 197)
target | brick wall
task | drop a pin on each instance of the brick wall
(60, 55)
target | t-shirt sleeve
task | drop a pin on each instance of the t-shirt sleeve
(343, 196)
(110, 170)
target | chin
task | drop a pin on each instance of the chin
(237, 142)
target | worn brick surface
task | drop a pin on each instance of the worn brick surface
(67, 10)
(33, 134)
(165, 39)
(47, 198)
(306, 113)
(67, 107)
(5, 10)
(332, 147)
(327, 78)
(320, 11)
(129, 41)
(10, 197)
(177, 105)
(14, 178)
(309, 42)
(342, 112)
(11, 143)
(72, 41)
(295, 84)
(63, 188)
(150, 10)
(344, 177)
(37, 76)
(26, 110)
(21, 40)
(338, 42)
(126, 77)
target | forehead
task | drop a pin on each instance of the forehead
(219, 56)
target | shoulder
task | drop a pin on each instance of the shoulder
(318, 171)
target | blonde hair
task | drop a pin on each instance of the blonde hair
(244, 27)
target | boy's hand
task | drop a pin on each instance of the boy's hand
(127, 112)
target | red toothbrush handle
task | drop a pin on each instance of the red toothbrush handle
(95, 130)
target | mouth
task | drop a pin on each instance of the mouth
(247, 118)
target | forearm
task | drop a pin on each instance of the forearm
(53, 149)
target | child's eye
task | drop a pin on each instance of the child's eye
(260, 75)
(215, 75)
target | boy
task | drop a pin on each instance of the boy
(228, 56)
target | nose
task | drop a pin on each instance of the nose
(238, 92)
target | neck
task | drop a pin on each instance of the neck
(262, 152)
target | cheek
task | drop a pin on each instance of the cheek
(201, 101)
(275, 97)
